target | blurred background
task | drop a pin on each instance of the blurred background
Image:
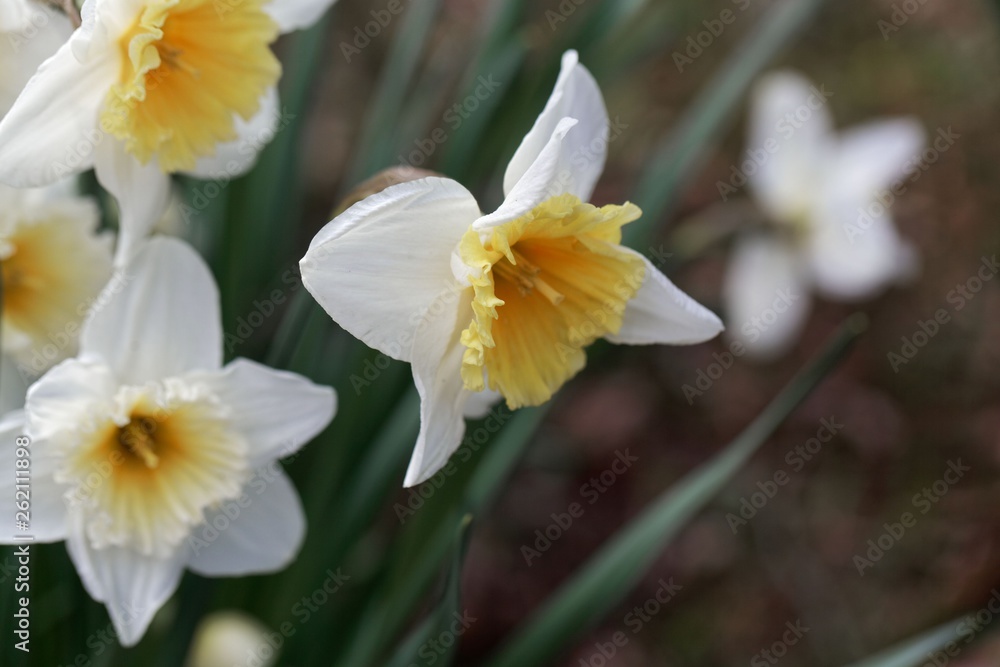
(452, 86)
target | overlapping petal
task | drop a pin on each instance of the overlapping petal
(581, 160)
(160, 319)
(380, 265)
(262, 534)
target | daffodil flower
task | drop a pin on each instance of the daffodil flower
(502, 303)
(147, 456)
(147, 88)
(53, 265)
(29, 34)
(820, 192)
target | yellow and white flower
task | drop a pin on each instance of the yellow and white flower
(147, 88)
(29, 34)
(505, 302)
(53, 264)
(144, 438)
(819, 191)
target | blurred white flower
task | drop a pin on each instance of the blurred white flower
(29, 33)
(53, 264)
(146, 88)
(817, 189)
(145, 437)
(505, 302)
(228, 638)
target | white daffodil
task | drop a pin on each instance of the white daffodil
(53, 265)
(819, 191)
(146, 88)
(505, 302)
(29, 34)
(147, 456)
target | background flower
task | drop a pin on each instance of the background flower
(820, 192)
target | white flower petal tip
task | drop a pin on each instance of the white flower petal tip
(297, 14)
(660, 313)
(380, 265)
(543, 180)
(581, 160)
(277, 411)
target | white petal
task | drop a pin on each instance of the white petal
(790, 144)
(766, 296)
(870, 157)
(131, 585)
(480, 403)
(235, 158)
(576, 95)
(16, 15)
(31, 33)
(855, 252)
(296, 14)
(380, 265)
(276, 411)
(68, 394)
(437, 373)
(164, 321)
(543, 180)
(47, 510)
(662, 314)
(52, 129)
(142, 192)
(264, 536)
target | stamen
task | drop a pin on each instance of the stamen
(137, 439)
(526, 276)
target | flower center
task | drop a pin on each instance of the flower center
(188, 69)
(546, 286)
(52, 266)
(146, 479)
(524, 275)
(136, 441)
